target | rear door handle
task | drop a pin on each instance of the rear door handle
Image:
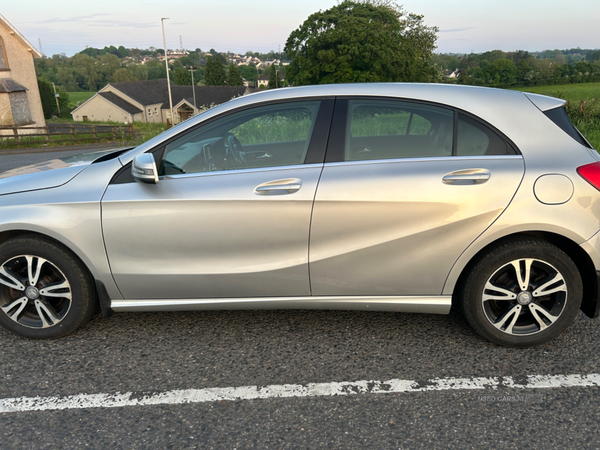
(467, 176)
(279, 187)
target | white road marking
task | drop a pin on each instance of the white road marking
(177, 397)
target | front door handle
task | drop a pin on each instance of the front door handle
(279, 187)
(467, 176)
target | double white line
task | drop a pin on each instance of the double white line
(176, 397)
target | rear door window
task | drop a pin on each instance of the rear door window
(388, 129)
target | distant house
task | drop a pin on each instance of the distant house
(263, 80)
(454, 74)
(20, 102)
(148, 101)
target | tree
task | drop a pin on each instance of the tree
(123, 75)
(234, 78)
(47, 96)
(90, 51)
(274, 77)
(182, 77)
(359, 42)
(65, 77)
(248, 72)
(214, 73)
(156, 70)
(139, 71)
(64, 103)
(504, 72)
(109, 64)
(87, 67)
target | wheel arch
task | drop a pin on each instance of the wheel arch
(6, 235)
(579, 256)
(102, 297)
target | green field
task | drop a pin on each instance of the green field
(583, 106)
(75, 97)
(572, 92)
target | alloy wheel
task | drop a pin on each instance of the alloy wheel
(36, 292)
(524, 297)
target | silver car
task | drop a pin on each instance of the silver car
(383, 197)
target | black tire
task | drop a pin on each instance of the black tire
(62, 298)
(508, 313)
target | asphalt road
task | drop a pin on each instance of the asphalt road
(157, 352)
(18, 158)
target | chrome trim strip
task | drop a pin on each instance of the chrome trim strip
(235, 171)
(430, 305)
(428, 159)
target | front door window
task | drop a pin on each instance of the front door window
(267, 136)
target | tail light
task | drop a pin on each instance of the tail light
(591, 174)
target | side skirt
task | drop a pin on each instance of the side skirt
(430, 305)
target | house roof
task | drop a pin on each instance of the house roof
(152, 92)
(205, 95)
(10, 85)
(20, 37)
(119, 102)
(147, 92)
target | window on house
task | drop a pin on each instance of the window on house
(14, 103)
(20, 108)
(3, 59)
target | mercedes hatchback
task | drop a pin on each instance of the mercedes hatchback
(383, 197)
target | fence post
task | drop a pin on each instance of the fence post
(95, 132)
(114, 132)
(47, 130)
(16, 133)
(131, 129)
(73, 131)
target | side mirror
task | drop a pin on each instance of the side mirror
(143, 169)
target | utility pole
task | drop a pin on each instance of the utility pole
(180, 43)
(41, 49)
(192, 69)
(56, 98)
(162, 22)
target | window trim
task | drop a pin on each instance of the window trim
(337, 142)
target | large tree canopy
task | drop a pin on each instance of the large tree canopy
(361, 42)
(214, 72)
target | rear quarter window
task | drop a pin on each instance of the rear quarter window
(560, 117)
(476, 139)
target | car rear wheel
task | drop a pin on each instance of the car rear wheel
(522, 293)
(45, 291)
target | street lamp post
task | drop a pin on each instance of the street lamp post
(162, 22)
(192, 69)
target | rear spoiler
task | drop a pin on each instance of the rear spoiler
(543, 102)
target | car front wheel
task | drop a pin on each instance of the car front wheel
(45, 291)
(522, 293)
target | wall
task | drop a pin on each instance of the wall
(98, 109)
(21, 69)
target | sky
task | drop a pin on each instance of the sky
(68, 26)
